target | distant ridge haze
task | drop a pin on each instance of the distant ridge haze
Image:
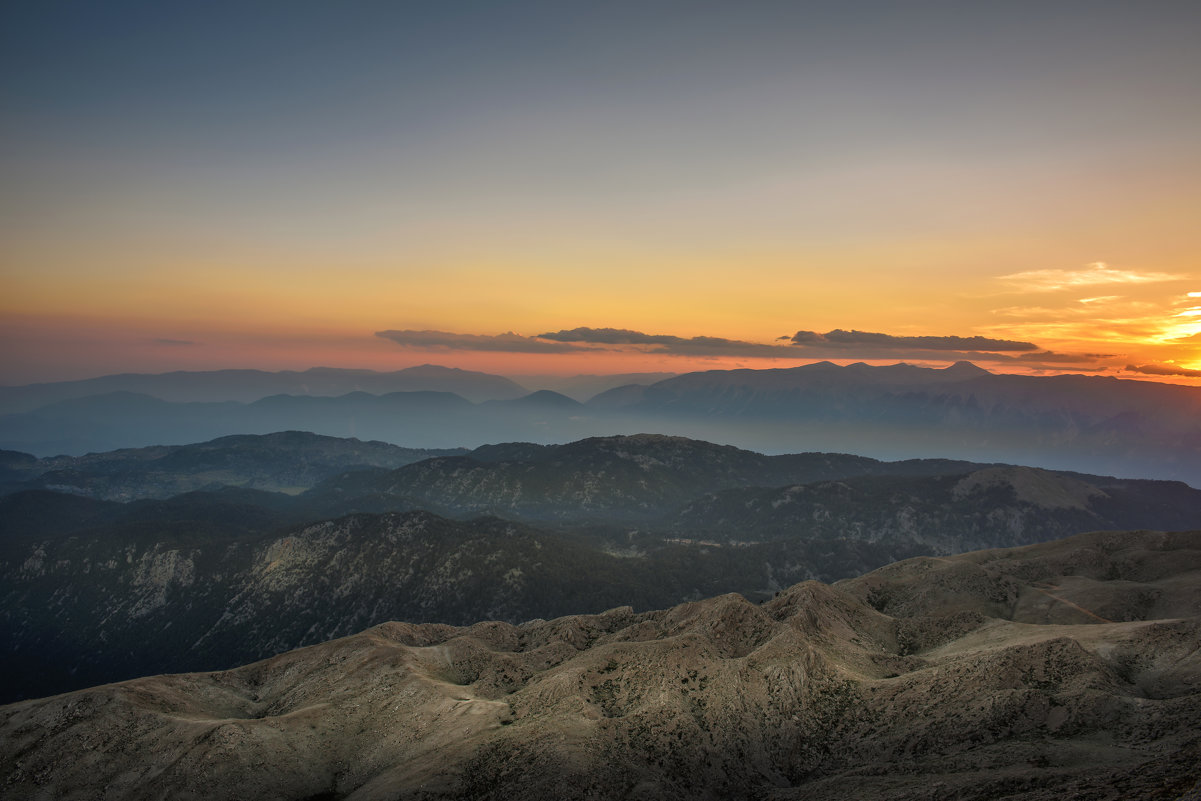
(247, 386)
(250, 385)
(1139, 429)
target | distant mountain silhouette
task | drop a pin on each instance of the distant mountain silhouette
(250, 385)
(1087, 423)
(542, 399)
(583, 387)
(1084, 423)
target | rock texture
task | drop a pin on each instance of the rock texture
(1068, 670)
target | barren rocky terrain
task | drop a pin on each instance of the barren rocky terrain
(1064, 670)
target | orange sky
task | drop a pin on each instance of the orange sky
(183, 193)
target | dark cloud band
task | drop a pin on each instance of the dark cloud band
(853, 339)
(1163, 369)
(801, 345)
(668, 344)
(507, 342)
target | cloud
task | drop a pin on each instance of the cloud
(1097, 273)
(836, 344)
(611, 336)
(856, 339)
(670, 344)
(1051, 357)
(1026, 312)
(173, 342)
(1163, 369)
(507, 342)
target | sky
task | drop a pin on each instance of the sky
(569, 187)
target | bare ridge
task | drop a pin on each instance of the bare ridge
(1064, 670)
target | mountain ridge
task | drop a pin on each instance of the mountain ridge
(249, 385)
(229, 575)
(1091, 424)
(815, 692)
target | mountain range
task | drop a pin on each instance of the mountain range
(1066, 670)
(286, 461)
(97, 590)
(246, 386)
(1067, 422)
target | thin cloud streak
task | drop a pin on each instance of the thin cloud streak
(507, 342)
(852, 339)
(1097, 273)
(1052, 357)
(670, 344)
(1163, 369)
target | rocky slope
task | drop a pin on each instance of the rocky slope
(1066, 671)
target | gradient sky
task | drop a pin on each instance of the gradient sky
(569, 187)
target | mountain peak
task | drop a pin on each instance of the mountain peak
(965, 369)
(546, 397)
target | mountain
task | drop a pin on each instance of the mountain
(694, 486)
(1068, 671)
(250, 385)
(624, 478)
(583, 387)
(126, 420)
(97, 591)
(993, 507)
(542, 399)
(209, 580)
(1087, 424)
(286, 461)
(1071, 422)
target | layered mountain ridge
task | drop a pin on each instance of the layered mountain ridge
(96, 590)
(1066, 670)
(1083, 423)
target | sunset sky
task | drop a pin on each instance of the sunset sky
(568, 187)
